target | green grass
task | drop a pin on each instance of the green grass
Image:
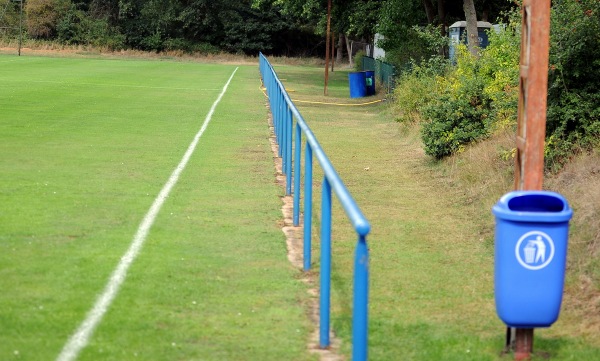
(86, 146)
(431, 289)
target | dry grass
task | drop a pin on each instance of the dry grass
(579, 181)
(54, 49)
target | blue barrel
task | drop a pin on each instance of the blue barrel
(358, 86)
(370, 82)
(532, 229)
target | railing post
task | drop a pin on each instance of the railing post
(307, 206)
(298, 144)
(325, 272)
(275, 110)
(279, 121)
(288, 151)
(361, 301)
(283, 134)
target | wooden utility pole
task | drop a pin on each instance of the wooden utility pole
(20, 27)
(327, 45)
(531, 124)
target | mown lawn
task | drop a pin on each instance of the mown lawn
(86, 145)
(431, 290)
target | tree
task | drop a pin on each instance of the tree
(472, 32)
(396, 24)
(43, 16)
(573, 120)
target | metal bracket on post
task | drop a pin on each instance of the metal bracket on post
(531, 124)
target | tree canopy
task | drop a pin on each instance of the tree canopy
(280, 27)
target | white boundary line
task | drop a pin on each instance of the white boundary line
(81, 337)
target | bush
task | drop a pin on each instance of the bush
(43, 16)
(417, 88)
(460, 114)
(467, 102)
(453, 122)
(573, 120)
(358, 60)
(499, 67)
(77, 27)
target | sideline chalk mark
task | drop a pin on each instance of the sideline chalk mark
(81, 337)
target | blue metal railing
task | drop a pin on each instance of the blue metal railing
(284, 114)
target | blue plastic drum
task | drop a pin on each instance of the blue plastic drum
(358, 86)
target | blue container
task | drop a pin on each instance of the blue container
(358, 86)
(370, 81)
(530, 257)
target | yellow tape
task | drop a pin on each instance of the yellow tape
(262, 88)
(339, 104)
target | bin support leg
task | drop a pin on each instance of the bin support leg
(523, 344)
(510, 340)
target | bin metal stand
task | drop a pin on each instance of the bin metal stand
(531, 124)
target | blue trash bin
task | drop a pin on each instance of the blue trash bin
(530, 257)
(370, 81)
(358, 86)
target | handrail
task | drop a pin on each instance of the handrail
(284, 113)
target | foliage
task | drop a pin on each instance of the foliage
(499, 66)
(358, 60)
(415, 89)
(397, 18)
(573, 120)
(459, 113)
(43, 16)
(77, 27)
(462, 104)
(157, 25)
(9, 17)
(489, 86)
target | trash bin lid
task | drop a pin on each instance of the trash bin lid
(533, 206)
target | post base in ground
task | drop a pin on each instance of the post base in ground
(523, 344)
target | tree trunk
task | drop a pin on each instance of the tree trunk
(349, 48)
(429, 10)
(340, 49)
(472, 33)
(443, 25)
(442, 16)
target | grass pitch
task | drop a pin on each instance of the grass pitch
(85, 147)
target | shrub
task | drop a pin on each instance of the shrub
(573, 120)
(453, 122)
(499, 66)
(44, 15)
(467, 102)
(417, 88)
(358, 60)
(77, 27)
(460, 114)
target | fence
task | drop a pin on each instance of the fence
(385, 73)
(287, 120)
